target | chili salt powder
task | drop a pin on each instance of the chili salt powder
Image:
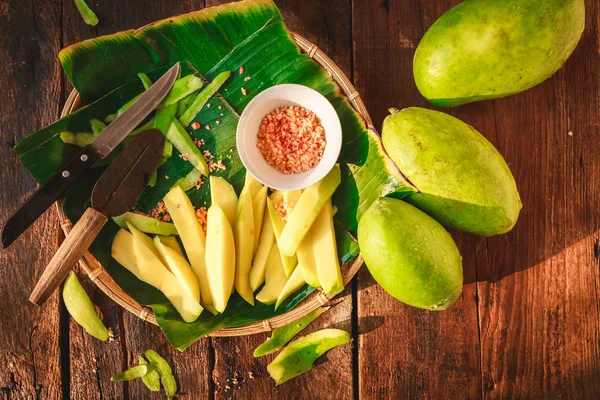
(291, 139)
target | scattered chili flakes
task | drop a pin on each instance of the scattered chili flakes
(184, 156)
(208, 127)
(281, 209)
(199, 142)
(166, 176)
(217, 122)
(244, 91)
(196, 125)
(201, 216)
(291, 139)
(246, 79)
(208, 105)
(220, 108)
(160, 212)
(242, 70)
(212, 164)
(199, 184)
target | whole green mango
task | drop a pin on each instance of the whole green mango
(484, 49)
(462, 180)
(410, 254)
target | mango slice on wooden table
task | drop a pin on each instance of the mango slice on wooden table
(275, 278)
(220, 256)
(265, 243)
(193, 238)
(81, 308)
(223, 195)
(289, 263)
(145, 224)
(179, 266)
(306, 210)
(325, 249)
(299, 356)
(280, 336)
(243, 232)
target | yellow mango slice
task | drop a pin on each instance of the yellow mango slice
(171, 241)
(325, 250)
(293, 284)
(179, 266)
(289, 263)
(252, 184)
(121, 250)
(192, 236)
(306, 261)
(290, 199)
(220, 256)
(258, 203)
(147, 240)
(243, 232)
(152, 271)
(275, 278)
(265, 242)
(307, 208)
(223, 195)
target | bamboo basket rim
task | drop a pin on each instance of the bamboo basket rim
(104, 281)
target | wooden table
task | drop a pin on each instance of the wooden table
(526, 326)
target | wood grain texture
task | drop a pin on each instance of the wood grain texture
(30, 87)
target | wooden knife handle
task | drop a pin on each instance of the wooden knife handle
(69, 253)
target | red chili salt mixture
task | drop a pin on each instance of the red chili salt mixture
(291, 139)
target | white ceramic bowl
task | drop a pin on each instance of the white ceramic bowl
(263, 104)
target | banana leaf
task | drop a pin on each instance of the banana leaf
(249, 34)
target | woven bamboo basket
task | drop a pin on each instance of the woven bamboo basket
(102, 279)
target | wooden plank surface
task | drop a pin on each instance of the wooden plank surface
(526, 326)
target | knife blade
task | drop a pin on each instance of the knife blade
(100, 147)
(115, 192)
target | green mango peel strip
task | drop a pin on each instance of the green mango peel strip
(281, 336)
(81, 308)
(151, 379)
(298, 357)
(132, 373)
(164, 370)
(202, 98)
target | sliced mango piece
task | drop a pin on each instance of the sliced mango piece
(289, 263)
(179, 266)
(299, 356)
(265, 242)
(81, 308)
(145, 224)
(281, 336)
(258, 203)
(290, 199)
(147, 240)
(152, 271)
(307, 262)
(121, 250)
(192, 236)
(223, 195)
(244, 242)
(172, 242)
(294, 283)
(220, 257)
(275, 278)
(252, 184)
(307, 208)
(325, 250)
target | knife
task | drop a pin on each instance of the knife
(99, 148)
(115, 192)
